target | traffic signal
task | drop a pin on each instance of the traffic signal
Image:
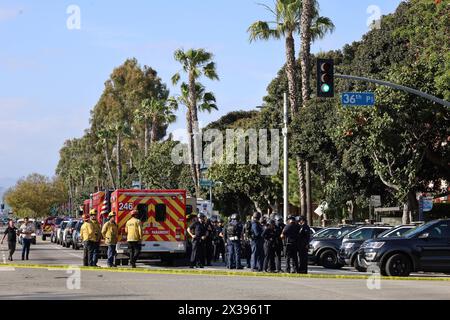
(325, 78)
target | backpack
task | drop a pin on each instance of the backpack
(231, 229)
(248, 230)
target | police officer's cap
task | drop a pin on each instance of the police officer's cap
(302, 218)
(272, 221)
(202, 216)
(278, 218)
(291, 218)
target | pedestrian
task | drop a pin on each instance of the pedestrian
(26, 230)
(233, 235)
(197, 230)
(303, 244)
(219, 243)
(87, 235)
(279, 246)
(11, 232)
(98, 237)
(110, 233)
(257, 243)
(247, 241)
(291, 233)
(269, 237)
(133, 229)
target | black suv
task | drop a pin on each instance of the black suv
(426, 248)
(352, 242)
(323, 251)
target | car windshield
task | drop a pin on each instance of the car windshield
(343, 232)
(361, 234)
(395, 233)
(326, 233)
(417, 231)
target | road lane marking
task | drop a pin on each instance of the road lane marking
(225, 273)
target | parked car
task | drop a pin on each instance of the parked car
(348, 253)
(68, 233)
(60, 230)
(327, 233)
(20, 237)
(55, 226)
(425, 248)
(324, 251)
(316, 229)
(76, 239)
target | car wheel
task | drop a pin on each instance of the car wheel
(358, 267)
(398, 266)
(329, 260)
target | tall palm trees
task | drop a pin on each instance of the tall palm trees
(287, 23)
(196, 63)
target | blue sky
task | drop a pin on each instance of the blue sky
(51, 77)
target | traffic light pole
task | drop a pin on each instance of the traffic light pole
(398, 87)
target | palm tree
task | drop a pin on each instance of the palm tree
(196, 63)
(287, 23)
(157, 112)
(104, 137)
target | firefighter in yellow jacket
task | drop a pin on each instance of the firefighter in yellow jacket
(110, 233)
(98, 237)
(133, 229)
(87, 234)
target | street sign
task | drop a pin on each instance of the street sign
(206, 183)
(375, 201)
(365, 99)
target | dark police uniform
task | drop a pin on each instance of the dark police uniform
(208, 246)
(233, 234)
(291, 233)
(219, 243)
(303, 245)
(199, 230)
(269, 236)
(257, 260)
(278, 245)
(11, 234)
(247, 243)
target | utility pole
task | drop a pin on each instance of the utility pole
(286, 160)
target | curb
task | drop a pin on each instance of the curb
(222, 273)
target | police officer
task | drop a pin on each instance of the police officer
(197, 231)
(279, 247)
(291, 233)
(257, 260)
(219, 243)
(133, 229)
(98, 237)
(247, 241)
(110, 233)
(303, 244)
(233, 236)
(269, 237)
(87, 235)
(209, 246)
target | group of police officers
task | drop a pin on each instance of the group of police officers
(261, 240)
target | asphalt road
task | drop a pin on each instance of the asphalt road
(24, 281)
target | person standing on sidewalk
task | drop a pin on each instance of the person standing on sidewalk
(133, 229)
(110, 233)
(87, 234)
(26, 230)
(11, 233)
(98, 237)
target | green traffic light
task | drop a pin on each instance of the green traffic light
(325, 88)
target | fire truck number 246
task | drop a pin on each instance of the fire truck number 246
(125, 206)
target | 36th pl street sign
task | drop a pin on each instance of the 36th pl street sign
(364, 99)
